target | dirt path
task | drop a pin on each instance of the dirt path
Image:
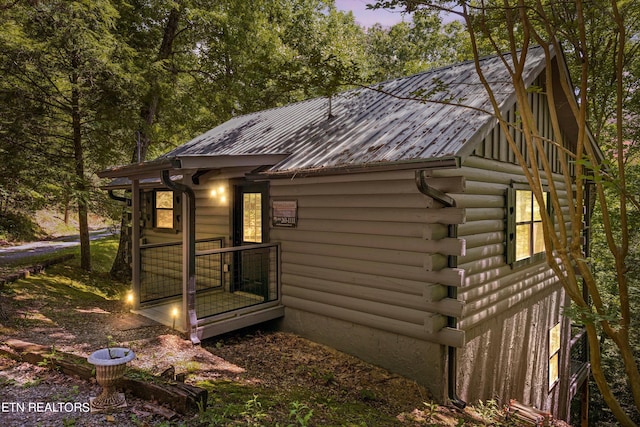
(11, 254)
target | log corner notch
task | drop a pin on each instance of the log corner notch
(180, 397)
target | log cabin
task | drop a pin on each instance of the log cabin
(395, 229)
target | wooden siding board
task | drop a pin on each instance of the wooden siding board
(431, 292)
(347, 188)
(400, 257)
(426, 216)
(446, 336)
(378, 228)
(416, 300)
(445, 246)
(364, 201)
(371, 250)
(481, 226)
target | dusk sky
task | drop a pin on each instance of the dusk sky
(367, 18)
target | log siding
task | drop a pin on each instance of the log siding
(373, 247)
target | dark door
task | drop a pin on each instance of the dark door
(250, 227)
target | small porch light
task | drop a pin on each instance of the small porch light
(174, 315)
(219, 193)
(129, 297)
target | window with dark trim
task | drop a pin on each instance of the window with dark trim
(162, 210)
(525, 233)
(554, 355)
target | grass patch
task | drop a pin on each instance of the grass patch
(67, 281)
(234, 403)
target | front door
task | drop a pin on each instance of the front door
(251, 227)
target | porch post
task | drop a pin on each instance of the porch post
(188, 255)
(186, 260)
(135, 242)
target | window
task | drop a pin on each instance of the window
(554, 355)
(252, 217)
(163, 209)
(525, 232)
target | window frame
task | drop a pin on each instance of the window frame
(511, 225)
(175, 211)
(554, 340)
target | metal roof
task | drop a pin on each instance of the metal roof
(377, 125)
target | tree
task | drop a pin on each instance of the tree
(64, 64)
(202, 63)
(556, 26)
(411, 47)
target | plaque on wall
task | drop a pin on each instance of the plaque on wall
(285, 213)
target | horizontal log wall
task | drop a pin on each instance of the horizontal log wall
(492, 286)
(507, 311)
(372, 250)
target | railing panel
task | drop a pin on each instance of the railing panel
(161, 269)
(250, 277)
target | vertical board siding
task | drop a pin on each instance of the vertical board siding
(370, 245)
(496, 147)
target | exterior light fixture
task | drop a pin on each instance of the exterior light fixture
(174, 314)
(219, 193)
(129, 298)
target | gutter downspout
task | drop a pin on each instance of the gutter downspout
(192, 318)
(452, 291)
(114, 196)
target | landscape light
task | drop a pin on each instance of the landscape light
(174, 314)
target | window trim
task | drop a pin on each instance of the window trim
(176, 211)
(554, 353)
(510, 232)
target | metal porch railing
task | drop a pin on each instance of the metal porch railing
(578, 358)
(250, 275)
(161, 270)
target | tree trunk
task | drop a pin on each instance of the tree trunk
(121, 268)
(80, 187)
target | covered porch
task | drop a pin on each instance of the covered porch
(201, 263)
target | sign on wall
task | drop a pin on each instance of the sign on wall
(285, 213)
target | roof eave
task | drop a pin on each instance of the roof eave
(153, 168)
(448, 162)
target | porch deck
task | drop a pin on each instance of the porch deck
(218, 313)
(236, 287)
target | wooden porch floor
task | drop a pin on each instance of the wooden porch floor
(218, 312)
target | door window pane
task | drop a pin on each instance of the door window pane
(252, 217)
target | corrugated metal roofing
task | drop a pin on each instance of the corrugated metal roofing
(371, 126)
